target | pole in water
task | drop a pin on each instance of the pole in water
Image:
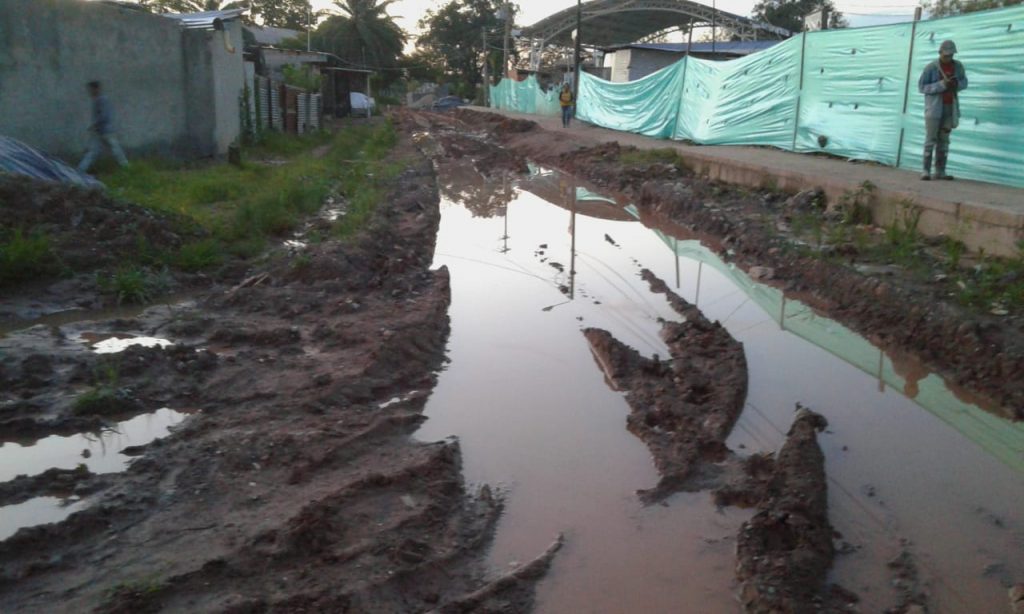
(782, 314)
(572, 246)
(700, 268)
(675, 250)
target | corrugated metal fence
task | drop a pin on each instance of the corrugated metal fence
(285, 108)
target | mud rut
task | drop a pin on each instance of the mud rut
(295, 486)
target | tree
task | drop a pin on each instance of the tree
(789, 14)
(943, 8)
(453, 36)
(364, 36)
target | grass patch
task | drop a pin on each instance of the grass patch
(24, 257)
(131, 284)
(104, 398)
(281, 180)
(996, 284)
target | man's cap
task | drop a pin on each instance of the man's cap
(947, 48)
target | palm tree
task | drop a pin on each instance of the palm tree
(365, 35)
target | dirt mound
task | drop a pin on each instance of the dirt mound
(785, 551)
(86, 227)
(684, 407)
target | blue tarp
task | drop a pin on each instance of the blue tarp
(851, 93)
(18, 158)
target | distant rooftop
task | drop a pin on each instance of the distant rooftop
(728, 47)
(268, 35)
(205, 19)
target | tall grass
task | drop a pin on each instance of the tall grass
(282, 180)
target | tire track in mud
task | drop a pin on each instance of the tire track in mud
(297, 486)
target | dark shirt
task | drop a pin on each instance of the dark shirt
(950, 71)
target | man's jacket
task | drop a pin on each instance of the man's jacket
(931, 85)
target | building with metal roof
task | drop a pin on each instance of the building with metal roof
(607, 23)
(624, 63)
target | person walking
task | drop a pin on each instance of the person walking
(567, 102)
(101, 130)
(940, 83)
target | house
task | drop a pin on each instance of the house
(632, 62)
(174, 81)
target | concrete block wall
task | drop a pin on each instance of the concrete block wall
(167, 86)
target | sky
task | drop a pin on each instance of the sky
(858, 12)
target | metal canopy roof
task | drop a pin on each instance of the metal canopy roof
(607, 23)
(205, 20)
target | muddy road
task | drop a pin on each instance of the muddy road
(272, 469)
(517, 389)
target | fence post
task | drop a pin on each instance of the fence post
(800, 90)
(906, 86)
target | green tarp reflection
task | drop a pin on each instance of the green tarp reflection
(1002, 438)
(851, 93)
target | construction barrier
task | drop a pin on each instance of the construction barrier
(851, 93)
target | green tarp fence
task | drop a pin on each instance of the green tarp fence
(851, 93)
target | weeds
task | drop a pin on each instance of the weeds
(105, 397)
(134, 284)
(24, 257)
(996, 284)
(265, 197)
(855, 206)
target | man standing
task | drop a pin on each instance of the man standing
(101, 130)
(940, 82)
(565, 100)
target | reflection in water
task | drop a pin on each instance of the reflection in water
(34, 512)
(534, 416)
(100, 452)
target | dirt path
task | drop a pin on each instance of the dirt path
(294, 485)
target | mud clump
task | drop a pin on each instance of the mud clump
(784, 552)
(684, 407)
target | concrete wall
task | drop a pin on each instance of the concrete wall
(160, 79)
(643, 62)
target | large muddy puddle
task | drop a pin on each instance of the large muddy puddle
(912, 464)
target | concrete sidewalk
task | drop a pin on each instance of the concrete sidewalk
(984, 215)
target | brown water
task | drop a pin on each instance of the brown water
(535, 417)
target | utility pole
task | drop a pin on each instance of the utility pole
(508, 34)
(714, 18)
(487, 80)
(309, 25)
(576, 54)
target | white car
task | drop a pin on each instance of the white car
(361, 104)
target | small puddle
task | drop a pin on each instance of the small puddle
(535, 416)
(34, 512)
(47, 315)
(112, 343)
(100, 452)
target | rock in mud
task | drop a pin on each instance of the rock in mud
(1017, 599)
(683, 408)
(785, 551)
